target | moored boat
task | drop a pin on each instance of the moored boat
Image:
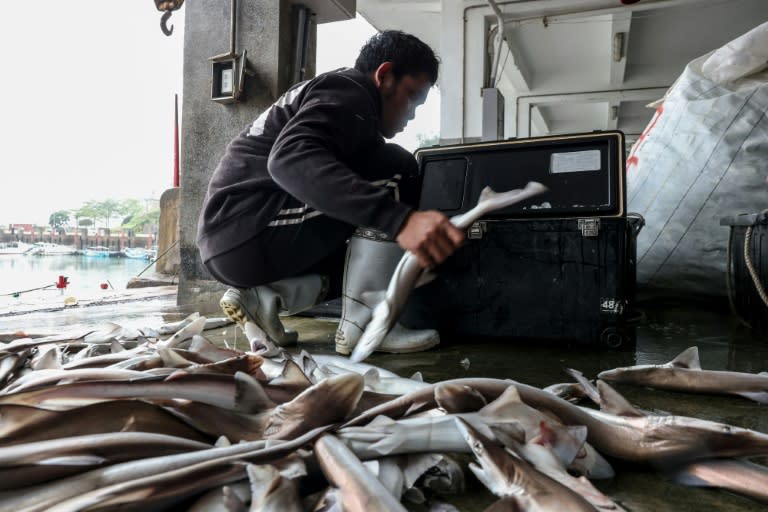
(14, 247)
(98, 251)
(137, 253)
(50, 249)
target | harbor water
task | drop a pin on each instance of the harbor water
(28, 280)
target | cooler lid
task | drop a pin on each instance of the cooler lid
(583, 172)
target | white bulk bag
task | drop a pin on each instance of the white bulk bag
(704, 155)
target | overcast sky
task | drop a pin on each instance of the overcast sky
(87, 101)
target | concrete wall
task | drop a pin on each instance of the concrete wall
(168, 234)
(265, 28)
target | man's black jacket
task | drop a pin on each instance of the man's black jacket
(304, 156)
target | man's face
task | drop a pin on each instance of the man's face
(399, 98)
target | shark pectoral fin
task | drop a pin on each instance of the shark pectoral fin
(417, 407)
(250, 396)
(387, 444)
(566, 442)
(757, 396)
(688, 358)
(613, 403)
(689, 479)
(589, 389)
(425, 278)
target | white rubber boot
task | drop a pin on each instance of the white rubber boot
(371, 259)
(263, 305)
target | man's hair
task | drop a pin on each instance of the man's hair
(408, 55)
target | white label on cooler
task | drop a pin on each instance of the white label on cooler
(575, 161)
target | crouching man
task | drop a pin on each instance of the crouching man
(309, 202)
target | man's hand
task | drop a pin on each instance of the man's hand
(430, 236)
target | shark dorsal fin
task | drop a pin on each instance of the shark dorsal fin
(308, 363)
(371, 376)
(688, 358)
(222, 441)
(251, 397)
(417, 377)
(510, 396)
(613, 403)
(293, 374)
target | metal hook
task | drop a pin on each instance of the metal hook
(163, 20)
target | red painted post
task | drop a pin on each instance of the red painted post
(176, 141)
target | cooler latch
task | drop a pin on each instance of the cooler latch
(589, 227)
(476, 230)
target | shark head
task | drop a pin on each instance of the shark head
(496, 467)
(374, 333)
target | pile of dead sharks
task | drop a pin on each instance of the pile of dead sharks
(162, 419)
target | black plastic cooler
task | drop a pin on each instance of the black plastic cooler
(560, 266)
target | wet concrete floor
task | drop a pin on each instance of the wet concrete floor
(665, 331)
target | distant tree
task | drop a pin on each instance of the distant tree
(59, 221)
(428, 140)
(106, 210)
(89, 211)
(129, 208)
(139, 221)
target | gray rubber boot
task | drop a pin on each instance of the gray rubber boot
(371, 259)
(263, 305)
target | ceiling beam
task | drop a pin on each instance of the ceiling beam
(539, 124)
(513, 65)
(525, 105)
(620, 25)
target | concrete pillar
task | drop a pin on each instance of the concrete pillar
(265, 28)
(168, 234)
(451, 72)
(463, 32)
